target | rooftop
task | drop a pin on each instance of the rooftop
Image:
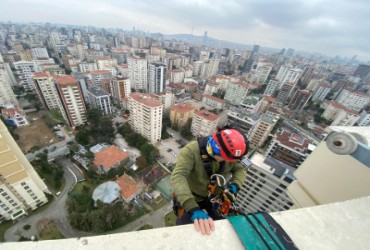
(65, 80)
(145, 99)
(109, 157)
(207, 115)
(182, 108)
(128, 186)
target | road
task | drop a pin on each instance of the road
(56, 211)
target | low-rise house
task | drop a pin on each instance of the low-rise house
(110, 157)
(129, 188)
(14, 115)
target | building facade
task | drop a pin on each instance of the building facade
(204, 123)
(21, 188)
(146, 116)
(100, 99)
(157, 77)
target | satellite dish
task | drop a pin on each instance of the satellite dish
(341, 143)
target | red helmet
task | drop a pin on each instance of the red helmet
(233, 144)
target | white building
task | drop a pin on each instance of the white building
(72, 100)
(236, 92)
(121, 89)
(321, 91)
(213, 101)
(6, 93)
(146, 116)
(157, 77)
(265, 188)
(352, 99)
(38, 53)
(272, 87)
(204, 123)
(24, 71)
(87, 67)
(177, 76)
(138, 73)
(340, 115)
(100, 99)
(21, 188)
(364, 119)
(287, 73)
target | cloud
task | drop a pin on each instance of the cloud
(327, 26)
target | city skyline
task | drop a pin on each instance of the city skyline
(328, 27)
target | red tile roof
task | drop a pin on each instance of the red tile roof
(39, 74)
(109, 157)
(100, 72)
(205, 114)
(145, 99)
(269, 98)
(214, 98)
(11, 112)
(128, 186)
(182, 108)
(68, 79)
(339, 106)
(292, 140)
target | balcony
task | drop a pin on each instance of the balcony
(342, 225)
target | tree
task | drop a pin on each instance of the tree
(93, 117)
(82, 137)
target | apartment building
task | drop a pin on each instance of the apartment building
(236, 92)
(98, 75)
(176, 75)
(204, 123)
(266, 102)
(72, 100)
(146, 116)
(100, 99)
(6, 92)
(285, 92)
(265, 187)
(321, 91)
(180, 114)
(21, 188)
(364, 119)
(272, 87)
(121, 88)
(287, 73)
(23, 72)
(290, 148)
(213, 101)
(157, 77)
(48, 93)
(261, 130)
(138, 72)
(339, 114)
(38, 53)
(242, 121)
(85, 67)
(299, 100)
(352, 99)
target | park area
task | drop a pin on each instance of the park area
(36, 135)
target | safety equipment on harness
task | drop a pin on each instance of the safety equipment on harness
(212, 147)
(233, 188)
(198, 214)
(233, 144)
(176, 207)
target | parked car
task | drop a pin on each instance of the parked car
(52, 149)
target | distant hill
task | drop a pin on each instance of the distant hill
(212, 42)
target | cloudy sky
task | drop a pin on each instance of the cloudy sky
(331, 27)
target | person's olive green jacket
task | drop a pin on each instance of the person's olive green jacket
(190, 179)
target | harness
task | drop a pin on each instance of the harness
(222, 203)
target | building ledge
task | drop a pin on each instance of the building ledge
(342, 225)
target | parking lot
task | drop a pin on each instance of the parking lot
(169, 149)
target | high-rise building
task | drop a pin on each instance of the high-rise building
(138, 73)
(40, 53)
(146, 116)
(285, 92)
(21, 188)
(72, 100)
(352, 99)
(261, 130)
(157, 77)
(121, 89)
(290, 148)
(287, 73)
(265, 187)
(100, 99)
(242, 121)
(48, 93)
(204, 123)
(24, 71)
(299, 101)
(362, 71)
(321, 91)
(271, 88)
(6, 93)
(236, 92)
(180, 114)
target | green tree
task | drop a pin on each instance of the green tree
(93, 117)
(82, 137)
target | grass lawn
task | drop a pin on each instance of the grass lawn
(170, 219)
(49, 231)
(160, 204)
(3, 227)
(80, 185)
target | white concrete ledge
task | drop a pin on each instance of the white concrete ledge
(343, 225)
